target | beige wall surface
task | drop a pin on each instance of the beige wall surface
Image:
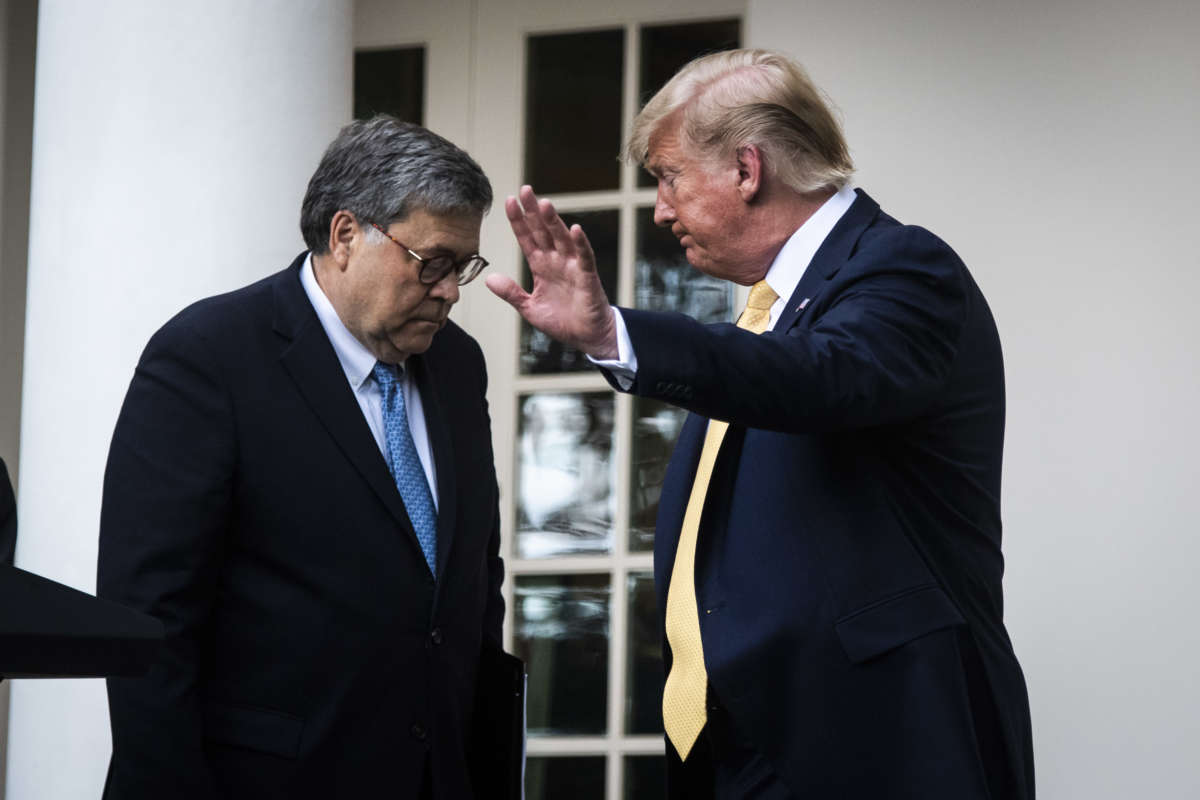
(18, 24)
(1053, 146)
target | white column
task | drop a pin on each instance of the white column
(172, 145)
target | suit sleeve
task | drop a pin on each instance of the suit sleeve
(880, 351)
(166, 503)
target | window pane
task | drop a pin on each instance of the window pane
(573, 111)
(561, 632)
(645, 778)
(666, 48)
(644, 676)
(665, 281)
(656, 427)
(574, 777)
(390, 82)
(565, 498)
(540, 353)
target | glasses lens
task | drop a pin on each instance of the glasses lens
(434, 269)
(470, 270)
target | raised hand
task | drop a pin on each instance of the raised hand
(567, 302)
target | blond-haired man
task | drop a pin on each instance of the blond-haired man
(827, 554)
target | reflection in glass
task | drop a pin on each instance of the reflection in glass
(561, 632)
(539, 353)
(573, 111)
(645, 777)
(390, 82)
(573, 777)
(644, 666)
(656, 427)
(664, 281)
(565, 498)
(666, 48)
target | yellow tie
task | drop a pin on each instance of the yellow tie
(684, 696)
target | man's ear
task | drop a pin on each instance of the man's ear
(343, 231)
(751, 171)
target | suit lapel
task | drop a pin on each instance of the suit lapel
(443, 458)
(837, 248)
(309, 359)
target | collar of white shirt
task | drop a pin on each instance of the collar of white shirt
(797, 253)
(355, 358)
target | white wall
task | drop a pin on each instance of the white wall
(172, 145)
(1054, 146)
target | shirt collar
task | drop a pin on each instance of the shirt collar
(789, 265)
(356, 360)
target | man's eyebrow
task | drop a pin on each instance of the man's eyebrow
(434, 250)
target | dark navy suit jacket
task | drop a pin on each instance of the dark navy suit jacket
(849, 551)
(310, 653)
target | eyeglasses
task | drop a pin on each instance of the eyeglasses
(434, 269)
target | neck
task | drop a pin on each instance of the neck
(321, 265)
(776, 218)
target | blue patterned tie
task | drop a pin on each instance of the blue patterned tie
(405, 465)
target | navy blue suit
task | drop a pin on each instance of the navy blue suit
(310, 653)
(848, 568)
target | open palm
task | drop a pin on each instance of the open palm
(567, 302)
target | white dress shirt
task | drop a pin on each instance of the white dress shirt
(359, 364)
(783, 277)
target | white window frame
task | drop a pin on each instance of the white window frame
(475, 86)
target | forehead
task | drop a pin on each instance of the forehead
(664, 147)
(456, 232)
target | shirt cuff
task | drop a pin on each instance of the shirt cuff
(624, 366)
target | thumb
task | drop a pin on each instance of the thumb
(507, 290)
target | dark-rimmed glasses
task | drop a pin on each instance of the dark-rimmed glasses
(434, 269)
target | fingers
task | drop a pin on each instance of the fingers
(520, 227)
(507, 290)
(556, 229)
(540, 224)
(533, 219)
(587, 258)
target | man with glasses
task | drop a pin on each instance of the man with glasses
(301, 487)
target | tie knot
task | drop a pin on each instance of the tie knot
(762, 297)
(386, 375)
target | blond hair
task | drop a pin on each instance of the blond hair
(738, 97)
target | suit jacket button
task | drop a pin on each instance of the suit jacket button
(418, 732)
(436, 636)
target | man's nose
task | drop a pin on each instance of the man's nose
(664, 213)
(446, 289)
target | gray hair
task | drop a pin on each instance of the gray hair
(727, 100)
(381, 169)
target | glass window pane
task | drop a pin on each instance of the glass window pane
(656, 427)
(645, 778)
(390, 82)
(541, 354)
(561, 632)
(565, 498)
(666, 48)
(573, 111)
(644, 676)
(556, 777)
(665, 281)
